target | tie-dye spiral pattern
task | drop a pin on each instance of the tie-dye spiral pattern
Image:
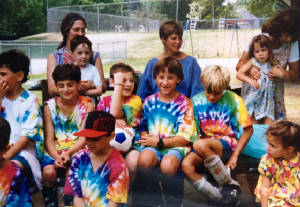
(13, 189)
(97, 186)
(132, 107)
(171, 119)
(221, 120)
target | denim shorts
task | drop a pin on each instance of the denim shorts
(227, 151)
(159, 155)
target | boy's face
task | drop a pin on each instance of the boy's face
(67, 89)
(213, 97)
(9, 80)
(99, 144)
(128, 81)
(167, 82)
(82, 55)
(261, 53)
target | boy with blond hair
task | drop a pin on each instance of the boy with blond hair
(218, 113)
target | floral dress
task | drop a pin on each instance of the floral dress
(260, 103)
(284, 189)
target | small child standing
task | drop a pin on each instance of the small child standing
(123, 104)
(21, 109)
(167, 129)
(13, 188)
(218, 113)
(279, 181)
(63, 116)
(90, 84)
(98, 174)
(259, 94)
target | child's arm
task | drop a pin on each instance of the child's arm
(241, 75)
(264, 191)
(248, 131)
(151, 140)
(66, 156)
(17, 147)
(78, 202)
(116, 103)
(49, 134)
(91, 90)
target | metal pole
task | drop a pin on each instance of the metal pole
(177, 10)
(98, 26)
(213, 14)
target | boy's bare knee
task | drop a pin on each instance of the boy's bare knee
(169, 165)
(147, 159)
(187, 164)
(132, 160)
(200, 147)
(49, 174)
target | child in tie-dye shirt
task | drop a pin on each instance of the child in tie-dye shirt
(21, 109)
(218, 113)
(167, 129)
(64, 115)
(13, 188)
(98, 175)
(123, 105)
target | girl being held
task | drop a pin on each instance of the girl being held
(279, 181)
(259, 94)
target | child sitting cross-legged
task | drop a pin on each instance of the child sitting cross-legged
(218, 113)
(13, 187)
(98, 175)
(21, 109)
(167, 129)
(63, 116)
(279, 181)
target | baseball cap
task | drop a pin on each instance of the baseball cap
(98, 123)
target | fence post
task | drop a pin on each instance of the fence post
(98, 26)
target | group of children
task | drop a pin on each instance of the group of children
(171, 132)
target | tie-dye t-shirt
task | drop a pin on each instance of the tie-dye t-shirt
(66, 125)
(132, 108)
(24, 117)
(13, 189)
(221, 120)
(175, 118)
(109, 182)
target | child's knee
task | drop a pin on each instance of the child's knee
(200, 147)
(147, 159)
(49, 174)
(169, 165)
(132, 160)
(187, 164)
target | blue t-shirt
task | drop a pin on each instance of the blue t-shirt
(189, 86)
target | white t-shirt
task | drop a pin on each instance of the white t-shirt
(91, 73)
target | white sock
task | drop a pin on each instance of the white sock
(218, 170)
(203, 186)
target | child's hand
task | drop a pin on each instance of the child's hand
(232, 163)
(149, 140)
(87, 85)
(119, 78)
(3, 88)
(254, 72)
(254, 84)
(65, 157)
(58, 163)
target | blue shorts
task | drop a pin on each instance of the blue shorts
(27, 172)
(227, 151)
(159, 155)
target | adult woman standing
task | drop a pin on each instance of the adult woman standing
(170, 33)
(72, 25)
(283, 30)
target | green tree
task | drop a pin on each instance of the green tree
(22, 17)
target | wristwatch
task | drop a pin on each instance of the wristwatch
(160, 144)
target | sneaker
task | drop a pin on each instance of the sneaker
(231, 195)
